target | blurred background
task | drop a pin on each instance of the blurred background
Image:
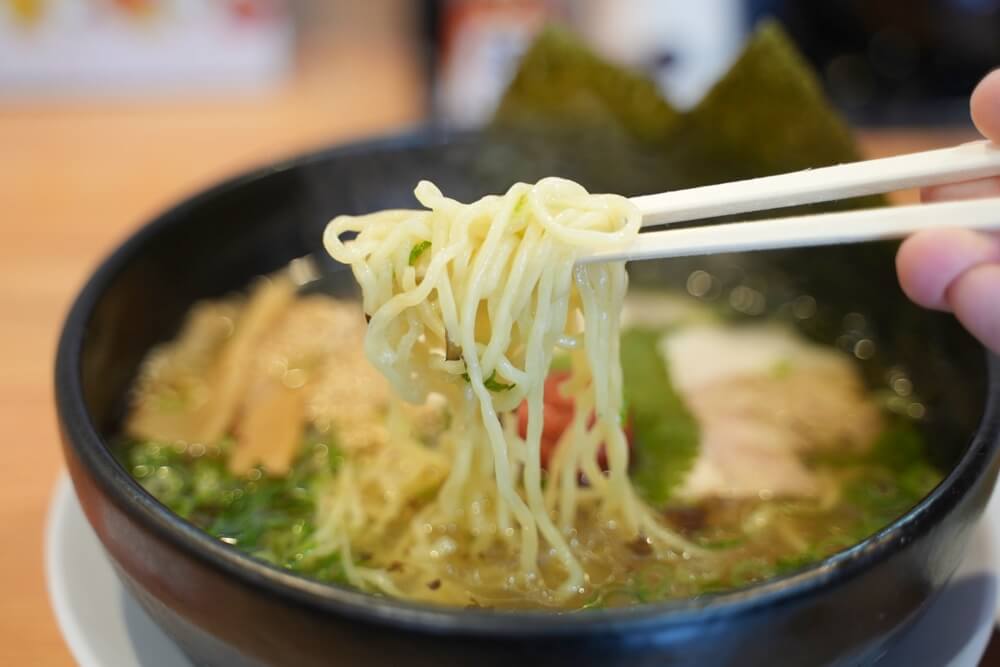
(111, 110)
(883, 63)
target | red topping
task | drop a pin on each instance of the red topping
(558, 411)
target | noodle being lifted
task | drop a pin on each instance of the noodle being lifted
(471, 302)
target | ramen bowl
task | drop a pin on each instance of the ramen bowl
(222, 607)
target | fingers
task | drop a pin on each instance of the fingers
(975, 298)
(959, 270)
(985, 187)
(985, 106)
(929, 264)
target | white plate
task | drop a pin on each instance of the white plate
(101, 622)
(105, 627)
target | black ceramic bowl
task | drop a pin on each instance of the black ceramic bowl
(224, 608)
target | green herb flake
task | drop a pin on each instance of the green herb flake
(493, 384)
(418, 250)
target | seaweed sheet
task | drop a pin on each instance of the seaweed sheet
(562, 84)
(570, 113)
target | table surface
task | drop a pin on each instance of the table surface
(77, 176)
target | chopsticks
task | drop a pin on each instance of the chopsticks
(808, 230)
(948, 165)
(964, 162)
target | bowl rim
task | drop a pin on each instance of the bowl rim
(81, 435)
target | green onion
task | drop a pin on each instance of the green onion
(418, 250)
(492, 383)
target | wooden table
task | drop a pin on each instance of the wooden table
(75, 178)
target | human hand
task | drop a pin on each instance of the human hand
(958, 270)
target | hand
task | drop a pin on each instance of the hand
(958, 270)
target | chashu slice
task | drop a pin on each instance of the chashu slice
(763, 396)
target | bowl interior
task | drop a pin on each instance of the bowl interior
(217, 241)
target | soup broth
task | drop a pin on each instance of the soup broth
(764, 453)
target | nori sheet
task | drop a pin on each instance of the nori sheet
(567, 112)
